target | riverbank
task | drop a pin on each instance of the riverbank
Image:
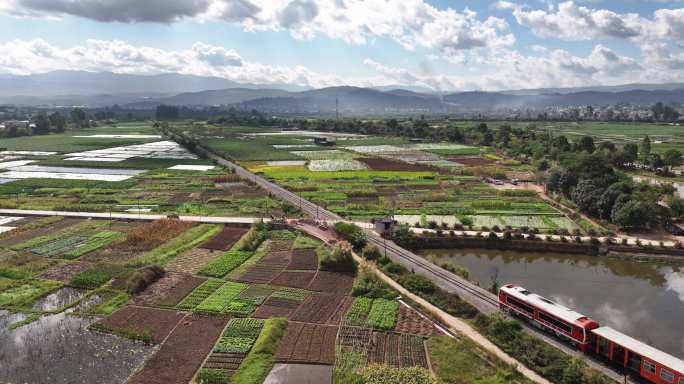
(627, 294)
(435, 239)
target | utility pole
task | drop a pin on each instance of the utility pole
(337, 108)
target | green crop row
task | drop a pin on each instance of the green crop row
(99, 240)
(225, 263)
(200, 293)
(219, 300)
(358, 313)
(383, 314)
(293, 294)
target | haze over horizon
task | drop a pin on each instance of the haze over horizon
(436, 44)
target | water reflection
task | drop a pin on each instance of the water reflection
(58, 299)
(642, 299)
(61, 349)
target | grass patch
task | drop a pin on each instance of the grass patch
(305, 242)
(24, 293)
(259, 361)
(462, 361)
(110, 301)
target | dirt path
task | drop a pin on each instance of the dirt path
(456, 325)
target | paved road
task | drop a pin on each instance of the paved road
(482, 299)
(131, 216)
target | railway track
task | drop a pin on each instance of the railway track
(483, 300)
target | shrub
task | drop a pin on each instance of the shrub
(140, 280)
(351, 233)
(456, 270)
(339, 260)
(417, 283)
(556, 366)
(213, 376)
(371, 252)
(369, 285)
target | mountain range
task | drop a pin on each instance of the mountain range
(100, 89)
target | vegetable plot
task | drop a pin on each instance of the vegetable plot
(383, 314)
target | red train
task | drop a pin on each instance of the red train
(585, 333)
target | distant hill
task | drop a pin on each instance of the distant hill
(82, 83)
(66, 88)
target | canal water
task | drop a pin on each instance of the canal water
(642, 299)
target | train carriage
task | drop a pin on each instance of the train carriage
(614, 347)
(546, 314)
(621, 350)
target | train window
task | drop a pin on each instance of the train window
(681, 380)
(557, 323)
(649, 367)
(519, 304)
(666, 375)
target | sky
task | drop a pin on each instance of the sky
(444, 45)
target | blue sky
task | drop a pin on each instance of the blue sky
(440, 44)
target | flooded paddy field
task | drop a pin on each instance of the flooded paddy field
(642, 299)
(62, 348)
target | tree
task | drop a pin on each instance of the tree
(658, 110)
(454, 134)
(672, 158)
(631, 152)
(655, 161)
(677, 207)
(503, 136)
(562, 143)
(79, 118)
(607, 201)
(567, 181)
(58, 122)
(42, 124)
(646, 148)
(586, 143)
(587, 196)
(635, 215)
(167, 112)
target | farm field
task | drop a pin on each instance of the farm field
(159, 321)
(367, 177)
(123, 168)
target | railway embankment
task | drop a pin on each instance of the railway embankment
(593, 247)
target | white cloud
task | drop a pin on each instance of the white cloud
(512, 70)
(570, 21)
(127, 11)
(411, 23)
(505, 69)
(573, 22)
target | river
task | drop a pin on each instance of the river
(642, 299)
